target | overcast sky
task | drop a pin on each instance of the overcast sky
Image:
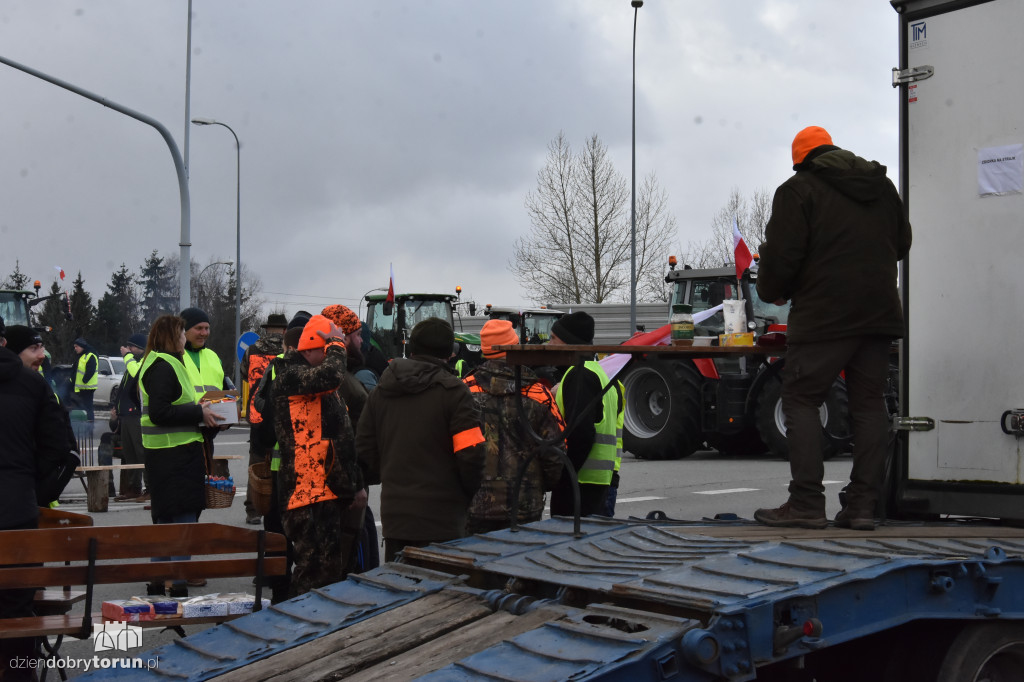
(404, 132)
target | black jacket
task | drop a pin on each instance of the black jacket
(406, 441)
(177, 476)
(33, 439)
(836, 234)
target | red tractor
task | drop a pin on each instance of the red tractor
(676, 406)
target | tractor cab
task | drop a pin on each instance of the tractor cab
(532, 324)
(707, 288)
(391, 325)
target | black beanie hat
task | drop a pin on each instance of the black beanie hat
(433, 336)
(575, 329)
(299, 321)
(194, 316)
(20, 337)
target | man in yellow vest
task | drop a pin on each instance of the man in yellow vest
(86, 377)
(204, 367)
(591, 422)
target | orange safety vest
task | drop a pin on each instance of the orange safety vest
(257, 368)
(534, 391)
(314, 456)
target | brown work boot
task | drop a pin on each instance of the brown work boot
(144, 497)
(854, 519)
(787, 516)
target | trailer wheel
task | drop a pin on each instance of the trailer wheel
(662, 411)
(993, 652)
(771, 420)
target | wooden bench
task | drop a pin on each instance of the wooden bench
(90, 556)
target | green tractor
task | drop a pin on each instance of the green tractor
(391, 323)
(16, 304)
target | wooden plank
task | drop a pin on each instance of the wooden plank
(367, 642)
(567, 354)
(58, 518)
(129, 542)
(109, 467)
(452, 647)
(145, 571)
(40, 626)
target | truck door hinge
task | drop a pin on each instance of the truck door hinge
(913, 423)
(1012, 422)
(911, 75)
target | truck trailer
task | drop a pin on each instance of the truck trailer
(936, 592)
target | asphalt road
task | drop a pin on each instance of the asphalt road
(699, 486)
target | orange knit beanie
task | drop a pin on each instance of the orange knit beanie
(806, 140)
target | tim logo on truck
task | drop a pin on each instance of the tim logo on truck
(918, 34)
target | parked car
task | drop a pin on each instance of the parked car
(110, 370)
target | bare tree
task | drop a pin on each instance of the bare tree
(578, 249)
(751, 217)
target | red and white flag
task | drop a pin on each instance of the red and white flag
(391, 287)
(60, 270)
(743, 257)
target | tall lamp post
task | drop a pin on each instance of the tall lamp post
(636, 4)
(238, 235)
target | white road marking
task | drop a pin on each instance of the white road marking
(724, 492)
(627, 500)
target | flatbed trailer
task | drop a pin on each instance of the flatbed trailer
(635, 600)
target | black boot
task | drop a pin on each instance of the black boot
(155, 589)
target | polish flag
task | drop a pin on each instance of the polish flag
(60, 270)
(391, 287)
(743, 257)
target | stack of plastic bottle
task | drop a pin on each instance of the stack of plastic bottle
(224, 483)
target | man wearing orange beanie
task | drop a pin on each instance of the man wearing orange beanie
(508, 445)
(832, 246)
(319, 478)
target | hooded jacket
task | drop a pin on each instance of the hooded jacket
(419, 437)
(34, 437)
(837, 231)
(509, 442)
(318, 461)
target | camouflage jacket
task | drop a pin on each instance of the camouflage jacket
(318, 457)
(509, 443)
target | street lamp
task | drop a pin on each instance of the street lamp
(636, 4)
(363, 297)
(199, 277)
(238, 235)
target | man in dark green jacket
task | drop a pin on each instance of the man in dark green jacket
(837, 232)
(419, 436)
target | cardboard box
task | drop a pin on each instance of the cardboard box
(746, 339)
(207, 605)
(226, 405)
(127, 610)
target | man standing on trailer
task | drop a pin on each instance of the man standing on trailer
(837, 232)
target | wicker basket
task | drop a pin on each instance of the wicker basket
(260, 487)
(218, 499)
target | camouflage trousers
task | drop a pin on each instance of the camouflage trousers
(315, 534)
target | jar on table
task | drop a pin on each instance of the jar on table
(681, 323)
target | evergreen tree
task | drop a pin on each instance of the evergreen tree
(159, 291)
(59, 330)
(117, 315)
(16, 280)
(83, 312)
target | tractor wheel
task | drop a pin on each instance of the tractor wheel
(835, 419)
(985, 651)
(662, 415)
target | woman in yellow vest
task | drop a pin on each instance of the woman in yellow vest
(171, 418)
